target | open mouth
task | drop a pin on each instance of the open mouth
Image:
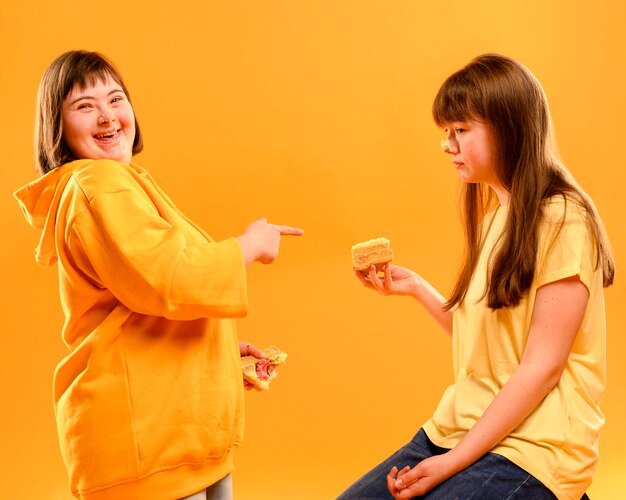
(106, 135)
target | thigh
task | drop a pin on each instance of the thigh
(493, 477)
(373, 485)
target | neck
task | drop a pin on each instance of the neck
(501, 193)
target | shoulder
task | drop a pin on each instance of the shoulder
(566, 223)
(566, 242)
(95, 177)
(559, 210)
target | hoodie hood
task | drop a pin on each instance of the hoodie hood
(39, 201)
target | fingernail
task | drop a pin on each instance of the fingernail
(399, 483)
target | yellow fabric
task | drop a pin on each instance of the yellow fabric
(557, 443)
(149, 402)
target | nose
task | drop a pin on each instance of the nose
(450, 146)
(105, 118)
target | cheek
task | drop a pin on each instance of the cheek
(76, 136)
(127, 118)
(74, 128)
(131, 130)
(481, 154)
(70, 135)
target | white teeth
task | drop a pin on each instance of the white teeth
(105, 135)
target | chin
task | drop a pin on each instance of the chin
(119, 157)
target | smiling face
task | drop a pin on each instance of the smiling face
(471, 147)
(98, 122)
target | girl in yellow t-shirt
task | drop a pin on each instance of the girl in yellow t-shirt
(526, 315)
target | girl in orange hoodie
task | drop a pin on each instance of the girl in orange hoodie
(149, 401)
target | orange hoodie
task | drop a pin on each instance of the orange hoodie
(149, 402)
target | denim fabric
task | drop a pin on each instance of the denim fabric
(222, 490)
(492, 477)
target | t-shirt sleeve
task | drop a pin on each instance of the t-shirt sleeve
(566, 246)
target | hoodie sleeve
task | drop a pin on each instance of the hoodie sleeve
(152, 259)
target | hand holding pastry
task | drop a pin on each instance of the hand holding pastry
(259, 371)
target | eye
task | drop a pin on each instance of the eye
(84, 105)
(459, 130)
(117, 99)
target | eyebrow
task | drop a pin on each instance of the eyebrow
(91, 97)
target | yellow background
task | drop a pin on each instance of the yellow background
(314, 113)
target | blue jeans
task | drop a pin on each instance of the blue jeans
(491, 477)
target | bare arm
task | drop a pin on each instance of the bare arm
(402, 281)
(558, 312)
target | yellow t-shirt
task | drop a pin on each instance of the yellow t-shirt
(558, 442)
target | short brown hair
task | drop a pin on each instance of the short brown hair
(77, 67)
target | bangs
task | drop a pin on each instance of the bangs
(83, 81)
(458, 99)
(89, 73)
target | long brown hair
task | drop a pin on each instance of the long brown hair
(76, 67)
(506, 96)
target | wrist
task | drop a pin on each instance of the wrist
(416, 287)
(458, 460)
(248, 247)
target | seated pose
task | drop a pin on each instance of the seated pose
(526, 315)
(149, 401)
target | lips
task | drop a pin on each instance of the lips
(106, 134)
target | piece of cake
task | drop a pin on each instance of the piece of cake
(376, 251)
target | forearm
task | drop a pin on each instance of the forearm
(402, 281)
(434, 303)
(518, 398)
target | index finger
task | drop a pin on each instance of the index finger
(255, 351)
(376, 281)
(391, 480)
(288, 230)
(387, 278)
(406, 477)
